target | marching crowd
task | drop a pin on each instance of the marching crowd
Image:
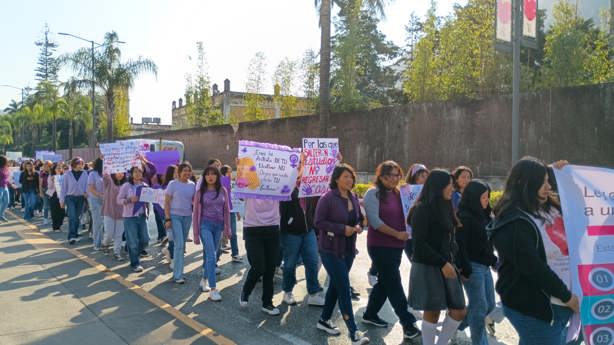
(456, 239)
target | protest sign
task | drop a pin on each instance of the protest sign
(320, 160)
(13, 155)
(14, 175)
(587, 201)
(266, 171)
(236, 205)
(162, 159)
(40, 155)
(152, 195)
(409, 195)
(53, 157)
(121, 156)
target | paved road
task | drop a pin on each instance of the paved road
(51, 293)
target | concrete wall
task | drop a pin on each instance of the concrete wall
(576, 124)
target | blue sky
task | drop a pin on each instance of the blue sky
(166, 31)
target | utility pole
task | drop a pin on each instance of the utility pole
(517, 36)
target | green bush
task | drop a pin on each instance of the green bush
(361, 189)
(495, 195)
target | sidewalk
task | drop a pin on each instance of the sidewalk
(50, 296)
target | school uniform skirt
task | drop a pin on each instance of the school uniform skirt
(429, 290)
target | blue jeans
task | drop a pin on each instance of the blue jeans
(74, 208)
(45, 206)
(4, 200)
(338, 270)
(180, 225)
(97, 221)
(234, 245)
(305, 246)
(532, 331)
(481, 294)
(135, 229)
(29, 199)
(210, 234)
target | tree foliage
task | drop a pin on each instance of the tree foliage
(254, 101)
(47, 65)
(200, 109)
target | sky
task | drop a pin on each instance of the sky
(167, 31)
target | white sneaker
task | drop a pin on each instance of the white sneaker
(328, 327)
(271, 310)
(138, 269)
(203, 286)
(289, 298)
(359, 338)
(372, 279)
(316, 299)
(215, 296)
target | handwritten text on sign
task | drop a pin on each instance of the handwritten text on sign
(266, 171)
(320, 160)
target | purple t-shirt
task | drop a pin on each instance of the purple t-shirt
(225, 180)
(182, 197)
(4, 177)
(212, 206)
(94, 179)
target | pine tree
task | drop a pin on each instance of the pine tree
(48, 66)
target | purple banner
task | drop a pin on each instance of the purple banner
(162, 159)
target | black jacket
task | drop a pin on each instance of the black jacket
(29, 183)
(473, 242)
(433, 242)
(292, 218)
(525, 282)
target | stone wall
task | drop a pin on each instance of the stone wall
(576, 124)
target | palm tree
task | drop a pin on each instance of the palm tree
(47, 95)
(6, 132)
(74, 107)
(13, 107)
(110, 73)
(325, 20)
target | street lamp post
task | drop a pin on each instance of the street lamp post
(94, 118)
(18, 88)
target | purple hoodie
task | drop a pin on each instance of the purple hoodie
(331, 218)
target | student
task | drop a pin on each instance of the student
(299, 241)
(338, 219)
(535, 299)
(45, 170)
(178, 198)
(72, 194)
(261, 235)
(434, 283)
(474, 213)
(112, 213)
(226, 171)
(134, 214)
(461, 177)
(95, 190)
(385, 242)
(4, 184)
(211, 218)
(29, 189)
(53, 181)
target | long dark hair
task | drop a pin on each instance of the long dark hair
(383, 169)
(53, 168)
(3, 161)
(338, 171)
(470, 201)
(521, 187)
(218, 182)
(414, 171)
(117, 181)
(431, 197)
(131, 171)
(98, 166)
(169, 175)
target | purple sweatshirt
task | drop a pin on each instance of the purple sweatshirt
(331, 217)
(126, 191)
(4, 177)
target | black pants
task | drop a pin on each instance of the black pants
(57, 213)
(387, 262)
(262, 246)
(160, 224)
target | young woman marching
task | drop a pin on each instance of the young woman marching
(385, 242)
(460, 177)
(434, 283)
(135, 216)
(211, 218)
(112, 213)
(338, 219)
(226, 170)
(72, 194)
(29, 189)
(4, 184)
(535, 299)
(95, 190)
(161, 183)
(474, 213)
(178, 215)
(53, 181)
